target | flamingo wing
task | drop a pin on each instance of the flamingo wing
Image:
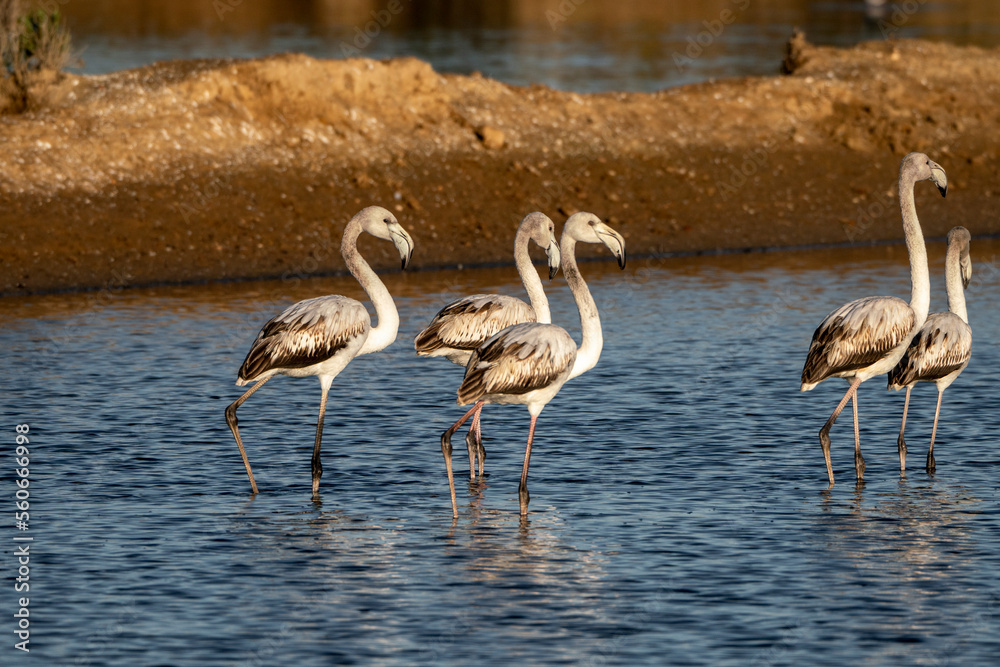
(517, 360)
(941, 347)
(466, 323)
(306, 333)
(857, 335)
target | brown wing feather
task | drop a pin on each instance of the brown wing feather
(467, 323)
(942, 346)
(307, 333)
(519, 359)
(856, 336)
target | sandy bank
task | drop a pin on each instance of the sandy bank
(193, 170)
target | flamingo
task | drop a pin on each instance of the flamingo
(528, 363)
(320, 336)
(867, 337)
(941, 349)
(463, 325)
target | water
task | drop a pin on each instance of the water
(678, 509)
(597, 45)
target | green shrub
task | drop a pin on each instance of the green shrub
(30, 40)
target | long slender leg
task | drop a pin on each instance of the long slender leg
(931, 463)
(447, 450)
(317, 465)
(470, 446)
(479, 443)
(859, 461)
(824, 433)
(470, 440)
(901, 441)
(474, 443)
(234, 425)
(522, 489)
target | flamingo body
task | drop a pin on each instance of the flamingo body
(941, 350)
(320, 336)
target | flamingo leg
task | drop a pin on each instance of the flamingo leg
(447, 450)
(824, 433)
(479, 442)
(931, 463)
(859, 461)
(522, 490)
(317, 465)
(470, 445)
(900, 441)
(474, 442)
(234, 426)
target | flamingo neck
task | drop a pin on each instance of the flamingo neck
(920, 282)
(590, 321)
(953, 281)
(384, 333)
(529, 278)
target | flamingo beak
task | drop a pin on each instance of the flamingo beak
(615, 243)
(403, 243)
(555, 258)
(939, 178)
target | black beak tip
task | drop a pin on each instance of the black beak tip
(621, 261)
(944, 191)
(553, 270)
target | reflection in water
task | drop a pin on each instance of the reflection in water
(591, 46)
(913, 538)
(363, 571)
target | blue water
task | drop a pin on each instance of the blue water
(679, 509)
(586, 51)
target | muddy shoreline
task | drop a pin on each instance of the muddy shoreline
(192, 171)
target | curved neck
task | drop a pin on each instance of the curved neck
(384, 333)
(953, 281)
(590, 321)
(529, 278)
(920, 283)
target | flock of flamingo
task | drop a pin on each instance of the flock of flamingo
(513, 354)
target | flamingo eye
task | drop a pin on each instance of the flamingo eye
(385, 220)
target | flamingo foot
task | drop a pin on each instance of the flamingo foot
(523, 497)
